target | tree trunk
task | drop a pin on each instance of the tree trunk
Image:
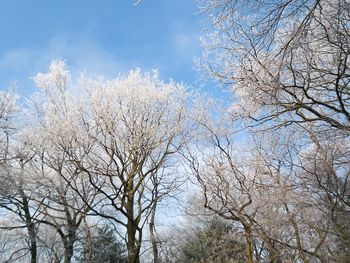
(153, 234)
(69, 241)
(68, 252)
(88, 240)
(248, 245)
(133, 256)
(133, 246)
(30, 228)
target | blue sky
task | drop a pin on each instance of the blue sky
(98, 36)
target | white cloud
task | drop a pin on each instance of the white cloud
(80, 53)
(84, 55)
(186, 44)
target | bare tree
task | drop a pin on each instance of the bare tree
(268, 186)
(228, 189)
(286, 61)
(15, 191)
(61, 207)
(287, 65)
(119, 134)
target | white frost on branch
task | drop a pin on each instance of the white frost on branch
(58, 76)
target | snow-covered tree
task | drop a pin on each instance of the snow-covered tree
(118, 135)
(286, 61)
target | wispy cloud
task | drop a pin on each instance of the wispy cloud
(186, 44)
(80, 53)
